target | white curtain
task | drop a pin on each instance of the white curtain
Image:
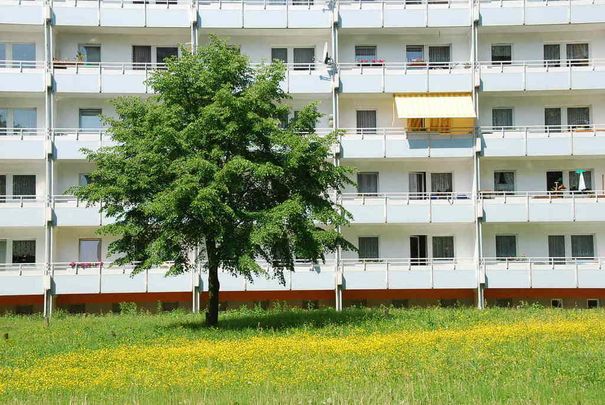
(504, 181)
(368, 248)
(443, 247)
(441, 182)
(574, 180)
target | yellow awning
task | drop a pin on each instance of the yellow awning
(436, 105)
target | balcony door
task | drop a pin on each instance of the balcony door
(2, 188)
(418, 251)
(368, 247)
(506, 246)
(90, 118)
(556, 248)
(552, 55)
(141, 55)
(582, 246)
(2, 251)
(417, 186)
(577, 54)
(367, 183)
(24, 251)
(554, 180)
(280, 54)
(366, 122)
(552, 119)
(304, 58)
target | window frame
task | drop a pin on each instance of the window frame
(367, 237)
(498, 63)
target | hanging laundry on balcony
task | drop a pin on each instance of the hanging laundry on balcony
(444, 113)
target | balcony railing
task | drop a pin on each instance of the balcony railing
(22, 133)
(542, 195)
(21, 65)
(10, 201)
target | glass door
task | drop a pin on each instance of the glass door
(417, 186)
(556, 248)
(141, 55)
(418, 251)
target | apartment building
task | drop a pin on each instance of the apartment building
(477, 129)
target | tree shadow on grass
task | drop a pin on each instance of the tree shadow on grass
(289, 319)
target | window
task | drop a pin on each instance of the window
(284, 120)
(279, 54)
(502, 54)
(141, 55)
(443, 247)
(416, 124)
(368, 247)
(592, 303)
(417, 184)
(418, 250)
(366, 121)
(90, 118)
(552, 119)
(582, 246)
(552, 55)
(3, 118)
(506, 246)
(364, 55)
(556, 303)
(90, 250)
(441, 183)
(414, 53)
(84, 179)
(556, 248)
(2, 54)
(578, 117)
(502, 118)
(2, 251)
(24, 185)
(439, 55)
(24, 118)
(504, 181)
(90, 53)
(165, 52)
(367, 183)
(24, 251)
(304, 58)
(24, 53)
(580, 180)
(2, 188)
(577, 54)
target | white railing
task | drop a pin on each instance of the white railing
(122, 3)
(405, 3)
(373, 64)
(453, 263)
(21, 65)
(536, 3)
(407, 196)
(81, 133)
(506, 263)
(22, 268)
(20, 200)
(22, 132)
(543, 65)
(119, 67)
(373, 133)
(265, 3)
(541, 195)
(541, 130)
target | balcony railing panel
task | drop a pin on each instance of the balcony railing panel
(21, 211)
(21, 76)
(584, 140)
(22, 143)
(29, 12)
(409, 207)
(399, 143)
(376, 76)
(541, 12)
(544, 272)
(543, 206)
(577, 74)
(71, 142)
(405, 13)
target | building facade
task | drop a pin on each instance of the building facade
(477, 129)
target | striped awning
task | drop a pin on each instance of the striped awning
(436, 105)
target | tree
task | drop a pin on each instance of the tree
(207, 164)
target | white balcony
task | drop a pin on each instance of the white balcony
(398, 143)
(417, 77)
(130, 78)
(22, 279)
(29, 12)
(543, 75)
(543, 206)
(123, 13)
(264, 14)
(543, 141)
(70, 211)
(544, 272)
(22, 143)
(70, 143)
(22, 211)
(22, 76)
(405, 13)
(541, 12)
(402, 274)
(406, 208)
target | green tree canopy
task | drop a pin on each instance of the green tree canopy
(206, 164)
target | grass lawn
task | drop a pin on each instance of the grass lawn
(381, 355)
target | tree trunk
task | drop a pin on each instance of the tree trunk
(213, 285)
